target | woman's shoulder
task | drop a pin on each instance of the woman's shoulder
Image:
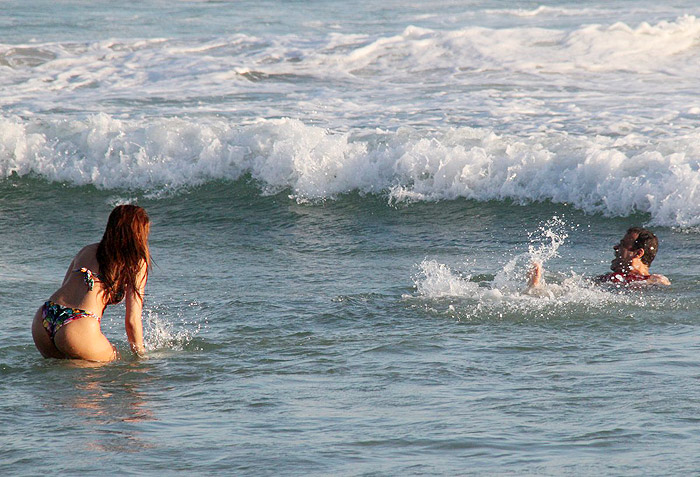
(86, 255)
(92, 249)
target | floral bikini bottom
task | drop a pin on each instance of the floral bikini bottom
(55, 316)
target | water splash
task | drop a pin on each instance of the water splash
(507, 293)
(437, 280)
(446, 291)
(162, 333)
(544, 244)
(546, 240)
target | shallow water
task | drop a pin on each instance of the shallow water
(289, 338)
(344, 204)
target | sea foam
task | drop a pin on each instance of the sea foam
(612, 176)
(349, 67)
(596, 116)
(594, 174)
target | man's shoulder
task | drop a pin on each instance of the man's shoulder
(658, 279)
(633, 279)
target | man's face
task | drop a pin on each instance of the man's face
(624, 254)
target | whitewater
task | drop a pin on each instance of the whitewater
(600, 116)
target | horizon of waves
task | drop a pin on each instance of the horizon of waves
(187, 68)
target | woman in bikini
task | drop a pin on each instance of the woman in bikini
(101, 274)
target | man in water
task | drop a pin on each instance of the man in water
(633, 257)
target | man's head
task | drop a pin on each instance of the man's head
(637, 244)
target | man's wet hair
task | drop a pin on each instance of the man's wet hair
(647, 241)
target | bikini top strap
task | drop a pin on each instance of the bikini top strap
(88, 276)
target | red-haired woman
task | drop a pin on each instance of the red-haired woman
(101, 274)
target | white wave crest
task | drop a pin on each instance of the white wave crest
(616, 177)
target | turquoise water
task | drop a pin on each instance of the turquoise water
(344, 204)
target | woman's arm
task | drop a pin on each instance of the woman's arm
(134, 306)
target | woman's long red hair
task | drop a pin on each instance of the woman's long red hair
(123, 250)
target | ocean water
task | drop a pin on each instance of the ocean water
(345, 198)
